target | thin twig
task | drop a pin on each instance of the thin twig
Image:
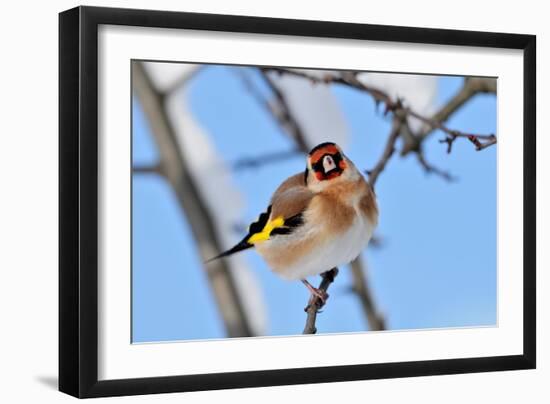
(442, 127)
(452, 136)
(313, 309)
(389, 149)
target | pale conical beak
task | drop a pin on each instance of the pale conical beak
(328, 164)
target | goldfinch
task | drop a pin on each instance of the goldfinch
(316, 220)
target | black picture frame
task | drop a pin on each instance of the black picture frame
(78, 201)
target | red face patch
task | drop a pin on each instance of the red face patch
(327, 162)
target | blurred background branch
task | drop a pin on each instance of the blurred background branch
(174, 169)
(268, 158)
(389, 149)
(361, 289)
(284, 115)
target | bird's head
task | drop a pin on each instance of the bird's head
(326, 165)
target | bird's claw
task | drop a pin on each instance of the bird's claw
(318, 299)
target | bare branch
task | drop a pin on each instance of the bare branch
(389, 149)
(470, 88)
(395, 106)
(360, 287)
(176, 172)
(313, 309)
(451, 132)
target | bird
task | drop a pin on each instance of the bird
(316, 220)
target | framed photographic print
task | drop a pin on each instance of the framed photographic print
(252, 201)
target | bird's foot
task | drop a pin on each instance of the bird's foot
(318, 297)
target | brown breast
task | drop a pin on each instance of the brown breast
(336, 207)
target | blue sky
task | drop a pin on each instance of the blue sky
(435, 268)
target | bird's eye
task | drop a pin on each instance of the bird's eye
(328, 164)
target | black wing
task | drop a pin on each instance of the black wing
(291, 224)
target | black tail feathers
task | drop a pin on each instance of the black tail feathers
(254, 228)
(242, 245)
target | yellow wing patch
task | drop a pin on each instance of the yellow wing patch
(266, 232)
